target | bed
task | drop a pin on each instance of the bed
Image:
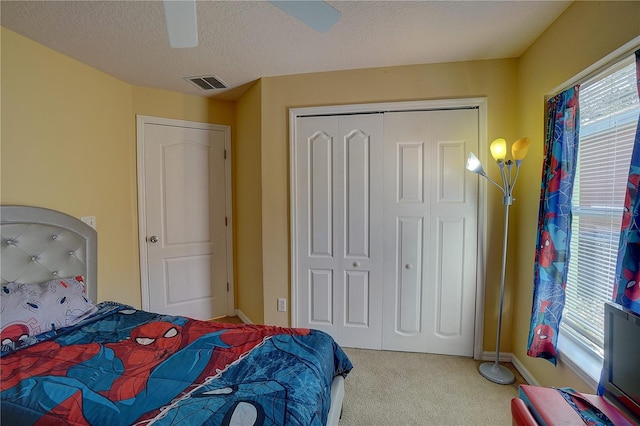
(66, 360)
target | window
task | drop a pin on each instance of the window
(609, 111)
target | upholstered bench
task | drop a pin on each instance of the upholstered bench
(538, 405)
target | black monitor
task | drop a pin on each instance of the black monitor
(621, 368)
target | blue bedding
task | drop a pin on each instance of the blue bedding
(125, 366)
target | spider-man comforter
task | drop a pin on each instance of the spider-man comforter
(125, 366)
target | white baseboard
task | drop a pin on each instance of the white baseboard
(245, 319)
(526, 374)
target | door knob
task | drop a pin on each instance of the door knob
(356, 264)
(408, 266)
(152, 239)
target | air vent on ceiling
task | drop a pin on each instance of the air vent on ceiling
(208, 82)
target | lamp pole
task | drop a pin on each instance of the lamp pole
(494, 371)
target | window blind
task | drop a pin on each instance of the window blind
(609, 111)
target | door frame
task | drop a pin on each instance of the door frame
(141, 120)
(479, 103)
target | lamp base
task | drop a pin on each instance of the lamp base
(496, 373)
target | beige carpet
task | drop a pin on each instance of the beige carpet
(399, 388)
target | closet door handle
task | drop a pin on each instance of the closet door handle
(408, 266)
(152, 239)
(356, 264)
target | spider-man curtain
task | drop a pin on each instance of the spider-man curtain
(626, 290)
(554, 224)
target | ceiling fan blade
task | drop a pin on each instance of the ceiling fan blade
(317, 14)
(182, 24)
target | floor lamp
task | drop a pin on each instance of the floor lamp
(494, 371)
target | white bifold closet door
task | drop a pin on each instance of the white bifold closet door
(430, 232)
(386, 234)
(339, 239)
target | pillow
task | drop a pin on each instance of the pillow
(31, 309)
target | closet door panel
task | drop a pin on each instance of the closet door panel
(357, 193)
(316, 245)
(321, 292)
(451, 299)
(409, 281)
(358, 199)
(410, 180)
(450, 283)
(356, 295)
(320, 177)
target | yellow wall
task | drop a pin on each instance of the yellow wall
(248, 205)
(162, 103)
(584, 34)
(493, 79)
(68, 143)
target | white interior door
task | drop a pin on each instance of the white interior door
(184, 229)
(430, 232)
(339, 249)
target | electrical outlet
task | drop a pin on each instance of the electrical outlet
(89, 220)
(282, 305)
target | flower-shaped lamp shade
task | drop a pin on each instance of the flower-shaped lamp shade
(520, 148)
(499, 149)
(474, 165)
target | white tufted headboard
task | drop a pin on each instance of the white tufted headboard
(40, 244)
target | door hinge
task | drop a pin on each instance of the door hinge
(227, 286)
(225, 221)
(225, 154)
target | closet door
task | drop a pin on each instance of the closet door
(339, 218)
(430, 232)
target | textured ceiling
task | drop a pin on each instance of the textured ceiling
(241, 41)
